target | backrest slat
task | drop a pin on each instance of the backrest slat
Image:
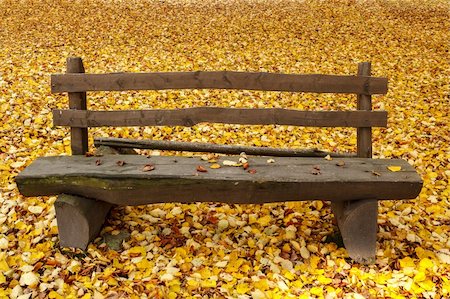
(218, 80)
(191, 116)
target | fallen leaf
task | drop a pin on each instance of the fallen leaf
(148, 167)
(231, 163)
(121, 163)
(215, 166)
(270, 160)
(35, 209)
(315, 172)
(328, 158)
(201, 169)
(242, 160)
(251, 171)
(340, 163)
(98, 162)
(245, 165)
(17, 164)
(376, 173)
(394, 168)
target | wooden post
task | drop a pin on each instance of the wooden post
(357, 220)
(364, 135)
(77, 100)
(79, 219)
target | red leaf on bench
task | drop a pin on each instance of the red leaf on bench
(201, 169)
(98, 162)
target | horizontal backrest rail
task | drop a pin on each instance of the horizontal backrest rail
(245, 116)
(218, 80)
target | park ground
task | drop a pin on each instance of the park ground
(257, 251)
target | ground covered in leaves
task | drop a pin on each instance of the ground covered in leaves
(215, 250)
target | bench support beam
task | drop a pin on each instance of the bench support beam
(79, 219)
(357, 221)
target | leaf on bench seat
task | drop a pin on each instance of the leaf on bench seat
(148, 167)
(201, 169)
(120, 163)
(394, 168)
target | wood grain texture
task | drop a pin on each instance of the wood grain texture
(121, 143)
(77, 100)
(218, 80)
(79, 219)
(192, 116)
(175, 179)
(357, 221)
(364, 134)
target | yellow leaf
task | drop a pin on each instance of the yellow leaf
(208, 283)
(318, 291)
(242, 288)
(407, 262)
(426, 263)
(394, 168)
(324, 280)
(264, 221)
(420, 276)
(215, 166)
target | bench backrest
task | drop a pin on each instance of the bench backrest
(76, 83)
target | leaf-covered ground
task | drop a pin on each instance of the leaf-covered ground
(214, 250)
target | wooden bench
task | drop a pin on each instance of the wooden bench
(89, 186)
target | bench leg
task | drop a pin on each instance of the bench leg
(357, 221)
(79, 219)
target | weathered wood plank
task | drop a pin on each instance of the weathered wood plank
(364, 134)
(176, 179)
(77, 100)
(213, 148)
(192, 116)
(218, 80)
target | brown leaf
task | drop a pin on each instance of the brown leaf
(252, 171)
(212, 219)
(121, 163)
(316, 167)
(98, 162)
(340, 163)
(51, 262)
(315, 172)
(201, 169)
(38, 266)
(88, 154)
(376, 173)
(246, 165)
(148, 167)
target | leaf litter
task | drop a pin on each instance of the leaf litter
(218, 250)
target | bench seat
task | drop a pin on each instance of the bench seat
(176, 179)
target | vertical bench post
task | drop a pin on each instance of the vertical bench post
(364, 135)
(77, 100)
(357, 220)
